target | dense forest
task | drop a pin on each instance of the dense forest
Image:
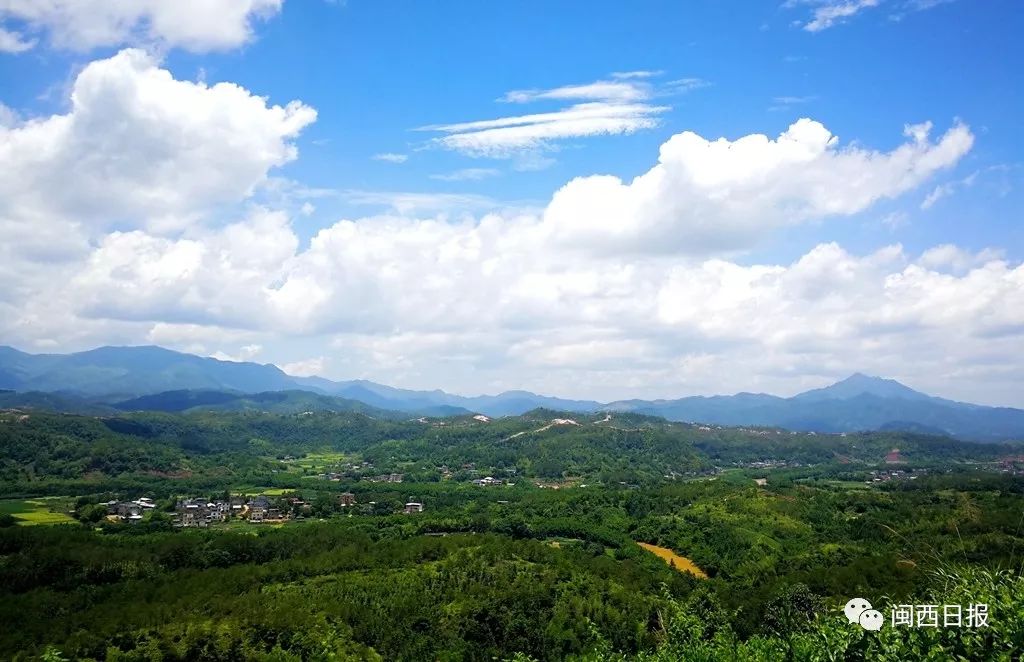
(58, 453)
(541, 562)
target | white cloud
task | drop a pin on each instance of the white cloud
(467, 174)
(138, 144)
(640, 73)
(836, 12)
(407, 202)
(614, 288)
(506, 136)
(681, 86)
(391, 157)
(605, 107)
(195, 338)
(621, 91)
(949, 256)
(195, 25)
(939, 192)
(894, 220)
(947, 189)
(305, 368)
(14, 42)
(828, 13)
(719, 195)
(911, 6)
(486, 303)
(786, 103)
(246, 353)
(790, 100)
(136, 149)
(8, 117)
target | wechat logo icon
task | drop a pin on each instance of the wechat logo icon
(859, 611)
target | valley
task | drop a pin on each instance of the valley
(548, 535)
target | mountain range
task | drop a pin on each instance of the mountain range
(153, 378)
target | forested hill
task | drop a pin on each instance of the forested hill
(38, 447)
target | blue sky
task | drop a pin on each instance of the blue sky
(369, 224)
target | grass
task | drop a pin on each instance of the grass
(30, 512)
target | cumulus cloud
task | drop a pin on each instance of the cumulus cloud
(612, 288)
(487, 303)
(138, 144)
(719, 195)
(137, 151)
(195, 25)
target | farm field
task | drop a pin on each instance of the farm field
(680, 563)
(29, 512)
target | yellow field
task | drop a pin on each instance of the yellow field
(680, 563)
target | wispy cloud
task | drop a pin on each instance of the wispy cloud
(787, 102)
(680, 86)
(829, 13)
(912, 6)
(505, 137)
(939, 192)
(602, 90)
(790, 101)
(895, 220)
(832, 13)
(405, 202)
(391, 157)
(467, 174)
(947, 189)
(12, 42)
(620, 105)
(641, 73)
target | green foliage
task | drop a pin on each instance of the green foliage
(502, 572)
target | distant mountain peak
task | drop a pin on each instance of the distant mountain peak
(860, 384)
(868, 382)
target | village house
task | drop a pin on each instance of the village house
(201, 513)
(413, 507)
(130, 511)
(346, 499)
(385, 478)
(258, 509)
